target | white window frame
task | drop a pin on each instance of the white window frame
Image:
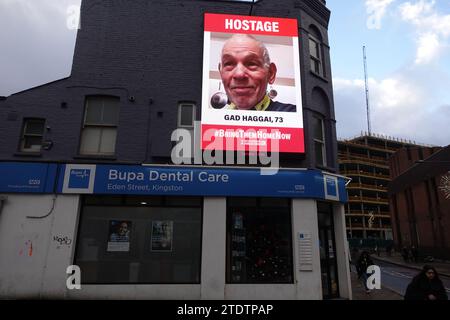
(319, 58)
(100, 126)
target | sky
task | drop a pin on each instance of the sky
(407, 45)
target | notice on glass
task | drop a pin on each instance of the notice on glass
(119, 236)
(162, 236)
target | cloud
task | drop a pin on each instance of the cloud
(428, 48)
(400, 107)
(37, 46)
(432, 29)
(413, 12)
(376, 9)
(411, 102)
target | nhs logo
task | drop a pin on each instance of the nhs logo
(79, 179)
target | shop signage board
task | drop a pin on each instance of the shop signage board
(16, 177)
(203, 181)
(23, 177)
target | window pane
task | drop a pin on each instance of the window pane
(313, 65)
(162, 247)
(318, 146)
(34, 126)
(94, 106)
(318, 68)
(318, 129)
(108, 141)
(259, 245)
(111, 110)
(186, 115)
(313, 48)
(90, 140)
(31, 143)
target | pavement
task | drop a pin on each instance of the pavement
(442, 267)
(359, 292)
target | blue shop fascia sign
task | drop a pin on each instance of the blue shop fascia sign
(168, 180)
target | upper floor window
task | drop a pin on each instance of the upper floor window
(315, 52)
(32, 135)
(101, 118)
(319, 141)
(186, 115)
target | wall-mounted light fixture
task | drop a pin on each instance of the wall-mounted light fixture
(47, 144)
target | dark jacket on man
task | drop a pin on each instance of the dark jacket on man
(281, 107)
(363, 263)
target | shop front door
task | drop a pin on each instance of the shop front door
(328, 261)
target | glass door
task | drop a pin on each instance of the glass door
(328, 261)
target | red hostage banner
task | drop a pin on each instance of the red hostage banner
(251, 85)
(252, 139)
(251, 25)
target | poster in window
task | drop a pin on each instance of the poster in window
(162, 236)
(119, 236)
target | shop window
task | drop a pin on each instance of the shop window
(151, 243)
(99, 133)
(319, 141)
(32, 135)
(259, 241)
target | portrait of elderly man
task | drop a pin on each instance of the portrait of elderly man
(246, 72)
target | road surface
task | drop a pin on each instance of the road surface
(397, 278)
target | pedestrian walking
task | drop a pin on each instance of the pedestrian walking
(362, 264)
(426, 286)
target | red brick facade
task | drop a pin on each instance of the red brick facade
(419, 201)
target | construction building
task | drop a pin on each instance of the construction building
(365, 159)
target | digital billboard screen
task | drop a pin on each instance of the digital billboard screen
(252, 99)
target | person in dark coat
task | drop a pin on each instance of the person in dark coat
(426, 286)
(362, 264)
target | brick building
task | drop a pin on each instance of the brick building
(89, 178)
(419, 194)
